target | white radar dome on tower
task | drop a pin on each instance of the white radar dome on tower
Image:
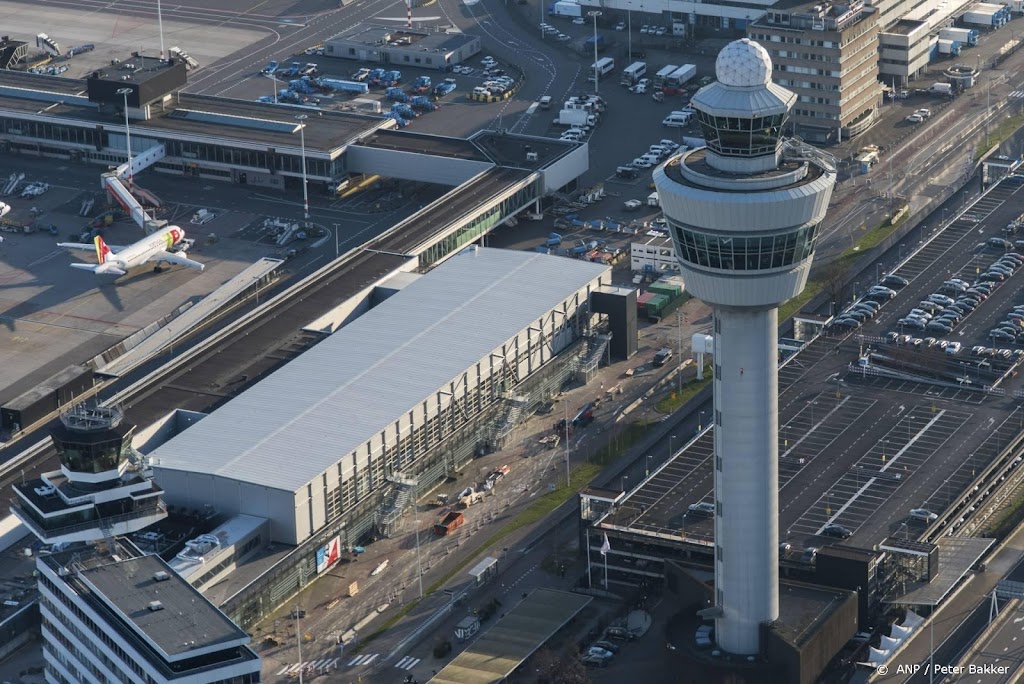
(744, 64)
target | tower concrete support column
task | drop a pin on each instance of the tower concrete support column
(746, 474)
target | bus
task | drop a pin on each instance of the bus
(602, 67)
(633, 73)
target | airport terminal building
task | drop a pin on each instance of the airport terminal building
(378, 400)
(336, 444)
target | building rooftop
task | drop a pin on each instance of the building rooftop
(511, 150)
(424, 143)
(802, 609)
(402, 38)
(185, 114)
(499, 651)
(435, 218)
(133, 69)
(186, 626)
(905, 27)
(381, 365)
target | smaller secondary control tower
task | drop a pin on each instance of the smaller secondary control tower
(744, 214)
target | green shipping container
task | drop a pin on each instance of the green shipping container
(656, 304)
(665, 289)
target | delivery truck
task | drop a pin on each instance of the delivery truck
(575, 117)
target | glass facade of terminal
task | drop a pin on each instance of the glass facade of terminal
(744, 253)
(96, 143)
(477, 225)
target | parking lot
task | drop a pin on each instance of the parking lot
(875, 477)
(975, 358)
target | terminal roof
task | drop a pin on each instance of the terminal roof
(511, 150)
(423, 143)
(341, 393)
(132, 69)
(225, 119)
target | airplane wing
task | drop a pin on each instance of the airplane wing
(89, 247)
(100, 269)
(179, 259)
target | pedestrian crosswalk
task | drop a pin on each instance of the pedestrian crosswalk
(317, 666)
(407, 663)
(1017, 95)
(364, 659)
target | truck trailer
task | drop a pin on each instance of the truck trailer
(575, 117)
(566, 9)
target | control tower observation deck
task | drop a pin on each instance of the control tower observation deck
(744, 213)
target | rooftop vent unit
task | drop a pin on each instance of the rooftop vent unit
(155, 606)
(161, 576)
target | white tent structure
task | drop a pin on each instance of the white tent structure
(899, 632)
(890, 644)
(912, 620)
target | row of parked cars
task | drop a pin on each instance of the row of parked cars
(655, 154)
(602, 651)
(867, 306)
(940, 312)
(549, 30)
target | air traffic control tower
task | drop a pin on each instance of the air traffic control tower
(744, 212)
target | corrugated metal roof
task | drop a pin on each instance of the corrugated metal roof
(301, 420)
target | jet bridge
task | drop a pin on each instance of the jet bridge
(128, 195)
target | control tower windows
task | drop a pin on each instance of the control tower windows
(732, 136)
(745, 253)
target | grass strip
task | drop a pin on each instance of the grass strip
(672, 402)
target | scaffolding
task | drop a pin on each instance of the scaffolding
(588, 364)
(396, 501)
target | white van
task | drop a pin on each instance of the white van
(675, 121)
(545, 102)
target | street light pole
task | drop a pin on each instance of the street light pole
(594, 15)
(273, 79)
(301, 118)
(629, 30)
(127, 134)
(298, 640)
(419, 566)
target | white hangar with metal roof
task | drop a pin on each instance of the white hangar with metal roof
(371, 403)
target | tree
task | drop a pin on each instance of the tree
(833, 278)
(559, 668)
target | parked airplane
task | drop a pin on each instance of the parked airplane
(156, 248)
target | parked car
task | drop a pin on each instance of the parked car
(837, 531)
(702, 508)
(923, 514)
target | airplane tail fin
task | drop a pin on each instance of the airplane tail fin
(102, 251)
